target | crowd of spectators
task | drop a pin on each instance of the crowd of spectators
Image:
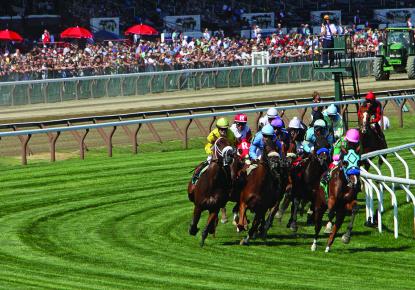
(110, 57)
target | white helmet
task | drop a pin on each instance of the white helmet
(331, 110)
(272, 113)
(320, 123)
(295, 123)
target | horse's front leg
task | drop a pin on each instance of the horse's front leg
(354, 208)
(210, 225)
(252, 230)
(195, 220)
(235, 213)
(340, 213)
(294, 211)
(331, 203)
(285, 202)
(224, 218)
(319, 211)
(242, 219)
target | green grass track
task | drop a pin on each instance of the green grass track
(121, 223)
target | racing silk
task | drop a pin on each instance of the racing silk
(244, 134)
(214, 135)
(310, 140)
(341, 143)
(375, 112)
(352, 159)
(335, 127)
(257, 145)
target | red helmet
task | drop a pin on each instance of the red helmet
(241, 118)
(370, 96)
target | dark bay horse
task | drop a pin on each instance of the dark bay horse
(261, 191)
(211, 192)
(370, 139)
(306, 178)
(342, 191)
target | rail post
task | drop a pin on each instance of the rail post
(25, 142)
(82, 146)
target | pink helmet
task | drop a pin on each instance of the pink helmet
(352, 135)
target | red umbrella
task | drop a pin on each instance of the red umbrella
(10, 35)
(141, 29)
(76, 32)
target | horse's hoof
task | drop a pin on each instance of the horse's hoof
(224, 221)
(328, 228)
(202, 243)
(279, 215)
(345, 239)
(240, 228)
(294, 227)
(327, 249)
(193, 231)
(244, 242)
(313, 247)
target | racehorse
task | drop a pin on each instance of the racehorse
(342, 191)
(370, 139)
(261, 191)
(211, 192)
(239, 180)
(306, 181)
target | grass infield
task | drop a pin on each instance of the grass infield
(121, 223)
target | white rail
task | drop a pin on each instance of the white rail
(378, 182)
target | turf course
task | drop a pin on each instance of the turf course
(121, 223)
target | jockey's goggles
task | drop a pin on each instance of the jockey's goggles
(240, 124)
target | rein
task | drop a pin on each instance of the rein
(217, 151)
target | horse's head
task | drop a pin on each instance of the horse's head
(364, 119)
(323, 156)
(271, 157)
(223, 151)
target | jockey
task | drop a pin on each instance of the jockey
(375, 113)
(272, 113)
(257, 145)
(241, 129)
(221, 130)
(350, 141)
(319, 129)
(334, 121)
(297, 131)
(280, 133)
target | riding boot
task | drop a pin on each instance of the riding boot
(198, 170)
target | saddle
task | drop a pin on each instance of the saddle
(199, 171)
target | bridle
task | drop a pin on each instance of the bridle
(226, 153)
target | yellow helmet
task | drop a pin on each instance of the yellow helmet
(222, 123)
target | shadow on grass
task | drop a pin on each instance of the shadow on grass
(379, 249)
(268, 243)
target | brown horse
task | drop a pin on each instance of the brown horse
(211, 192)
(342, 199)
(261, 191)
(371, 140)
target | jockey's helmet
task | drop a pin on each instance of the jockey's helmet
(370, 96)
(352, 135)
(295, 123)
(222, 123)
(241, 118)
(272, 113)
(331, 110)
(277, 123)
(320, 123)
(267, 130)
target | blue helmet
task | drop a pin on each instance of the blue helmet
(267, 130)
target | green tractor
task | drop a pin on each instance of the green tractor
(396, 54)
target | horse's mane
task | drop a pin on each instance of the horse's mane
(321, 142)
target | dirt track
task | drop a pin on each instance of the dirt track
(187, 98)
